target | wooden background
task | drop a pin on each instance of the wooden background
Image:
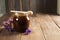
(2, 7)
(46, 6)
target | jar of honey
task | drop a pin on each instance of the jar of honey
(21, 20)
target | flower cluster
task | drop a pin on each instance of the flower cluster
(8, 26)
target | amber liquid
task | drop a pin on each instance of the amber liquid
(20, 23)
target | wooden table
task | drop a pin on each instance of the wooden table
(42, 26)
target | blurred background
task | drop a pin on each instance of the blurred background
(37, 6)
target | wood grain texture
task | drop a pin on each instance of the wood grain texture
(56, 19)
(50, 29)
(10, 36)
(36, 33)
(42, 26)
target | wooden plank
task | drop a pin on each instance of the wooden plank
(56, 19)
(49, 28)
(36, 33)
(2, 8)
(11, 4)
(10, 36)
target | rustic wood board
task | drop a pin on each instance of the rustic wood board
(43, 27)
(49, 28)
(10, 37)
(36, 33)
(56, 19)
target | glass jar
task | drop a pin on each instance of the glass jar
(21, 20)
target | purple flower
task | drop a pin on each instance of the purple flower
(7, 25)
(27, 32)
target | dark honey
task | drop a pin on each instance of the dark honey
(21, 23)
